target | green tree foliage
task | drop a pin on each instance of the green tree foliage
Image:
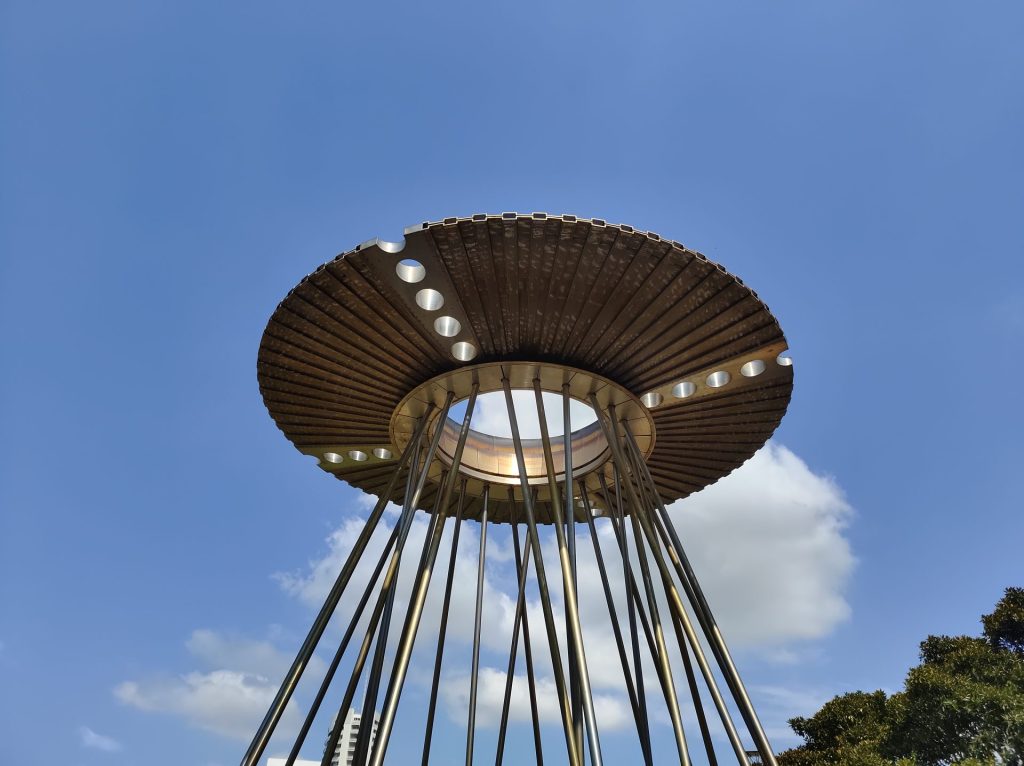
(964, 704)
(1004, 628)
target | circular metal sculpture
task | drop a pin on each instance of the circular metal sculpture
(365, 363)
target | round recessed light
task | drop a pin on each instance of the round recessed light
(358, 455)
(753, 368)
(382, 454)
(410, 271)
(652, 399)
(429, 300)
(333, 457)
(718, 379)
(684, 389)
(447, 326)
(785, 361)
(463, 351)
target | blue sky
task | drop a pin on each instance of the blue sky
(169, 170)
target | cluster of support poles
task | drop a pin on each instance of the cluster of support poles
(631, 499)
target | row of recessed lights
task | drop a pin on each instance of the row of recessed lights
(358, 455)
(716, 379)
(428, 299)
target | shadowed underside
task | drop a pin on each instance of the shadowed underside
(346, 346)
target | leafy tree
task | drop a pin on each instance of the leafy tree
(1004, 628)
(964, 704)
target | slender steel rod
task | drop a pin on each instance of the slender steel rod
(531, 680)
(609, 427)
(661, 658)
(675, 602)
(702, 609)
(616, 517)
(408, 637)
(371, 629)
(477, 619)
(363, 743)
(641, 730)
(316, 631)
(336, 661)
(385, 599)
(442, 630)
(575, 630)
(575, 756)
(424, 574)
(691, 681)
(527, 654)
(570, 535)
(637, 601)
(522, 567)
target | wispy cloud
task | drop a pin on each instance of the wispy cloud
(229, 696)
(94, 741)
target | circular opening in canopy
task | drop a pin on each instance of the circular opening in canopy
(684, 389)
(490, 450)
(447, 327)
(382, 454)
(429, 299)
(358, 455)
(333, 457)
(463, 351)
(718, 379)
(653, 399)
(752, 369)
(410, 271)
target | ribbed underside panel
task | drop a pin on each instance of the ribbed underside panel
(345, 346)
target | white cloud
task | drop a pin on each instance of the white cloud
(768, 545)
(225, 702)
(94, 741)
(612, 711)
(230, 696)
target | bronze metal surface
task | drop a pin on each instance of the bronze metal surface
(350, 343)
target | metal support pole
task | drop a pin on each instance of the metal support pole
(575, 756)
(636, 602)
(661, 659)
(641, 727)
(478, 615)
(703, 610)
(412, 620)
(419, 597)
(291, 679)
(374, 679)
(522, 568)
(632, 598)
(386, 598)
(443, 629)
(575, 630)
(333, 668)
(677, 628)
(570, 535)
(609, 427)
(371, 630)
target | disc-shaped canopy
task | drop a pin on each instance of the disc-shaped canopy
(350, 343)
